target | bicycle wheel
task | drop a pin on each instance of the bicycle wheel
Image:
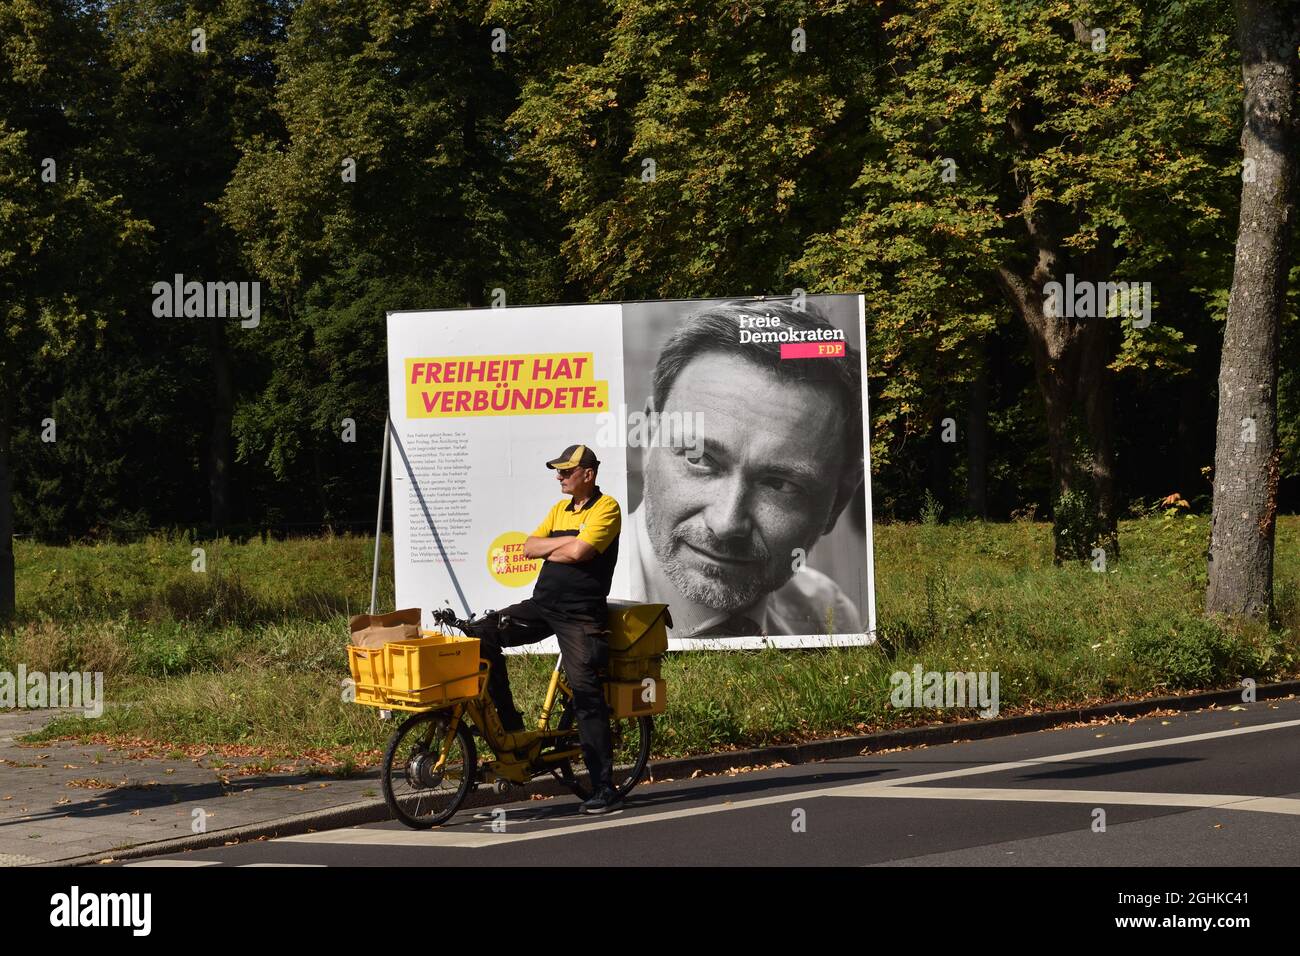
(631, 738)
(420, 796)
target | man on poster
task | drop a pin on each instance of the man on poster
(724, 528)
(578, 545)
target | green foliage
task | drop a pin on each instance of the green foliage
(751, 142)
(1075, 524)
(260, 661)
(931, 510)
(1194, 654)
(884, 158)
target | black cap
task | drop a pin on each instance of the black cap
(575, 456)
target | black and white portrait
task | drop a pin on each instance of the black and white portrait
(746, 504)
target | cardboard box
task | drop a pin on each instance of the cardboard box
(376, 630)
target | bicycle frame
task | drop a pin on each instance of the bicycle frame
(519, 754)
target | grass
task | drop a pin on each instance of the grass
(249, 654)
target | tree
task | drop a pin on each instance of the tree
(1063, 142)
(193, 78)
(58, 224)
(1247, 458)
(694, 147)
(390, 182)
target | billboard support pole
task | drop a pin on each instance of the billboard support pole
(379, 521)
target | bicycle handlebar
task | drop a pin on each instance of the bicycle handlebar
(447, 618)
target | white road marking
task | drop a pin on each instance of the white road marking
(358, 836)
(211, 863)
(282, 864)
(174, 863)
(898, 787)
(1076, 755)
(1220, 801)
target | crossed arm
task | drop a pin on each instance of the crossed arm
(562, 550)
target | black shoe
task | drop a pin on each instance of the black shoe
(604, 800)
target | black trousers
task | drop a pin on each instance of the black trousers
(584, 645)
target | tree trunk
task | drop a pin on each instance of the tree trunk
(977, 439)
(1071, 365)
(223, 409)
(1059, 346)
(1246, 455)
(8, 584)
(1096, 391)
(938, 469)
(318, 479)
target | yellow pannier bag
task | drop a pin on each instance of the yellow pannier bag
(638, 640)
(643, 698)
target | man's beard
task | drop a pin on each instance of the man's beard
(705, 583)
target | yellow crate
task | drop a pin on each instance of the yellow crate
(369, 666)
(370, 694)
(416, 665)
(426, 698)
(415, 674)
(446, 692)
(627, 698)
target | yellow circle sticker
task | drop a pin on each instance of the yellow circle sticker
(506, 561)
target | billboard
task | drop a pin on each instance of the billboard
(732, 433)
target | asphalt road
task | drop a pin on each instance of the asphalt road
(1211, 788)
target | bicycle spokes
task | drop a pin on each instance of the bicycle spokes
(428, 770)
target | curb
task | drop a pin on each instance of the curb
(376, 811)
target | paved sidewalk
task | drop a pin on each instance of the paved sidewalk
(64, 799)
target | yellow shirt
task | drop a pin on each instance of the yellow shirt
(598, 523)
(583, 584)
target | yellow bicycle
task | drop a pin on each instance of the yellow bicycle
(431, 764)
